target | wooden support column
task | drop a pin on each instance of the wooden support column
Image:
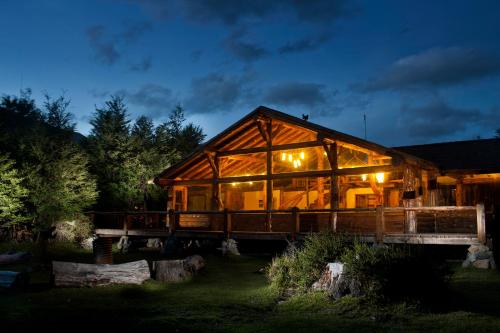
(269, 160)
(481, 223)
(408, 187)
(459, 193)
(214, 164)
(380, 227)
(331, 153)
(228, 227)
(172, 222)
(296, 222)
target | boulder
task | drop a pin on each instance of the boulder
(154, 243)
(230, 247)
(87, 243)
(177, 270)
(196, 262)
(477, 248)
(482, 263)
(123, 244)
(484, 255)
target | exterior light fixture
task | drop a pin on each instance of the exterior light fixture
(302, 155)
(283, 156)
(364, 177)
(380, 177)
(234, 184)
(290, 157)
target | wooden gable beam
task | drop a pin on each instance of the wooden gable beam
(213, 164)
(264, 130)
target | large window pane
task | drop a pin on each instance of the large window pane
(303, 193)
(350, 156)
(244, 195)
(243, 165)
(296, 160)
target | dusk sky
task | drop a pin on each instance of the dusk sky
(421, 71)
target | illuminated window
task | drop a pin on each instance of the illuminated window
(295, 160)
(244, 195)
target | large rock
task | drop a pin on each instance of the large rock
(177, 270)
(481, 263)
(336, 283)
(477, 248)
(154, 243)
(230, 247)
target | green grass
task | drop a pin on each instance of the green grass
(230, 295)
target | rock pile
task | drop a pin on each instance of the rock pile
(479, 256)
(335, 282)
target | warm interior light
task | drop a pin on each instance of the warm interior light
(283, 156)
(295, 165)
(302, 155)
(290, 157)
(379, 177)
(364, 177)
(299, 163)
(324, 153)
(234, 184)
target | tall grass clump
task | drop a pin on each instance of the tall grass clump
(298, 268)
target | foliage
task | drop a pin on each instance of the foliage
(390, 273)
(74, 231)
(59, 182)
(12, 193)
(125, 158)
(298, 269)
(57, 114)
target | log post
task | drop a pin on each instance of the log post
(228, 227)
(296, 222)
(333, 221)
(171, 221)
(459, 200)
(481, 223)
(379, 233)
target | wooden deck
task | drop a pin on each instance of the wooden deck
(400, 225)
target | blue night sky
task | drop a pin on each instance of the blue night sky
(421, 71)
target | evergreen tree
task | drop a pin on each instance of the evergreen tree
(57, 114)
(59, 182)
(12, 193)
(112, 157)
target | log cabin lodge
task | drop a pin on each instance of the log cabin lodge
(274, 176)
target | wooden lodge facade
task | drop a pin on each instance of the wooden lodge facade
(275, 176)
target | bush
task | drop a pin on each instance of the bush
(74, 231)
(394, 273)
(299, 268)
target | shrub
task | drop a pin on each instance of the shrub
(394, 273)
(299, 268)
(74, 231)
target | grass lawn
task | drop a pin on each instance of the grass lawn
(230, 295)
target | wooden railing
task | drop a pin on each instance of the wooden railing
(383, 224)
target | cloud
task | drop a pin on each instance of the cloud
(297, 93)
(230, 12)
(243, 50)
(436, 119)
(435, 67)
(108, 48)
(105, 50)
(305, 44)
(215, 92)
(156, 100)
(143, 66)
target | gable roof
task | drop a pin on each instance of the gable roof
(235, 129)
(478, 156)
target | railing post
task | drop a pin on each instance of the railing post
(333, 221)
(379, 236)
(228, 227)
(481, 223)
(296, 222)
(171, 221)
(125, 224)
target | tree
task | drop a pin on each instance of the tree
(59, 182)
(112, 156)
(12, 193)
(57, 114)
